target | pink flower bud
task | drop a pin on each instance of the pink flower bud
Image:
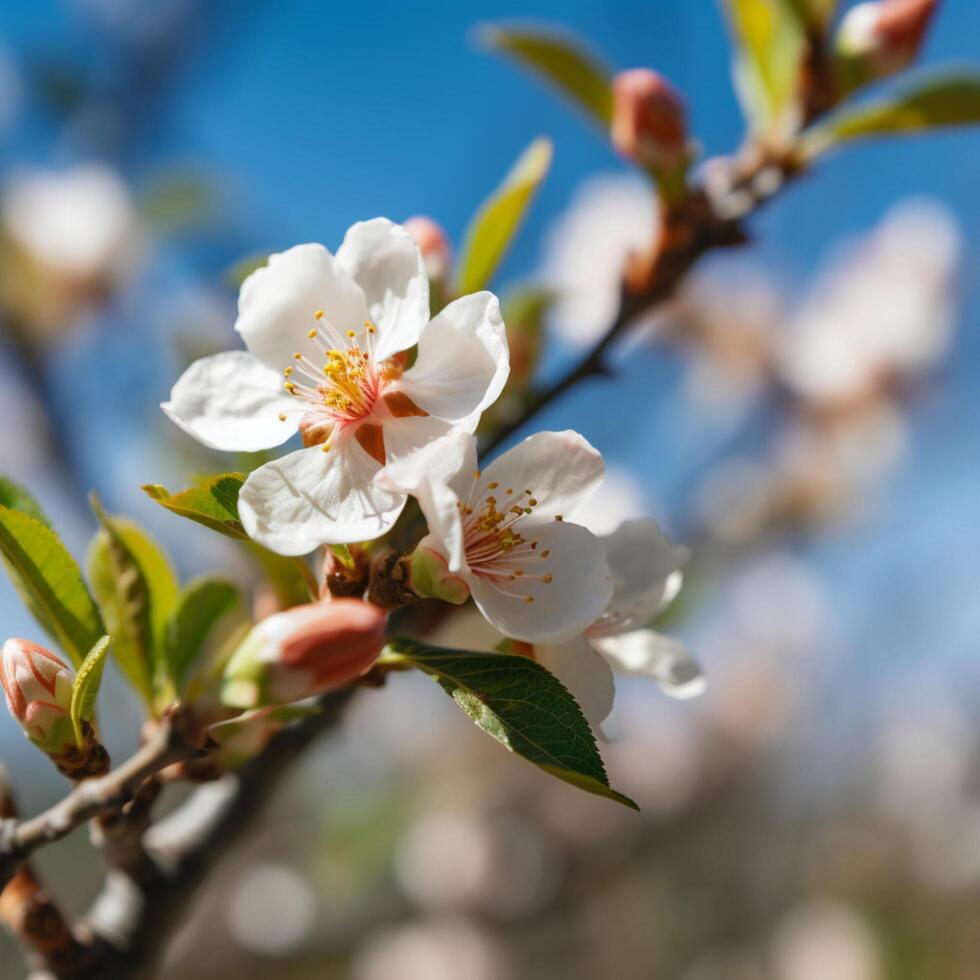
(38, 686)
(433, 243)
(881, 38)
(649, 121)
(304, 651)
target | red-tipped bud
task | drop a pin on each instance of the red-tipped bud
(304, 651)
(878, 39)
(38, 686)
(649, 123)
(434, 245)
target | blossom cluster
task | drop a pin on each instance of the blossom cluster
(342, 350)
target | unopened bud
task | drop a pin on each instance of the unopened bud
(304, 651)
(649, 121)
(431, 576)
(881, 38)
(434, 245)
(38, 686)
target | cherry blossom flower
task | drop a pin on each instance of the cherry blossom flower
(646, 574)
(501, 532)
(79, 223)
(338, 328)
(882, 311)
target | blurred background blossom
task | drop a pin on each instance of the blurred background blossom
(802, 415)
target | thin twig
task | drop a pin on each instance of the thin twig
(174, 740)
(132, 924)
(690, 229)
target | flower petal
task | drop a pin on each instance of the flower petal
(646, 573)
(277, 303)
(438, 474)
(644, 653)
(559, 468)
(232, 402)
(584, 672)
(463, 359)
(575, 597)
(384, 260)
(311, 497)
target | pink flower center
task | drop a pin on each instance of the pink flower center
(496, 549)
(339, 386)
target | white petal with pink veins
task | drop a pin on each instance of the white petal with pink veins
(311, 497)
(646, 575)
(534, 608)
(232, 402)
(559, 468)
(277, 303)
(644, 653)
(463, 360)
(384, 260)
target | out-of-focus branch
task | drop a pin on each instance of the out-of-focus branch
(29, 912)
(174, 740)
(131, 921)
(691, 227)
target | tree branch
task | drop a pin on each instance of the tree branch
(175, 739)
(709, 218)
(131, 921)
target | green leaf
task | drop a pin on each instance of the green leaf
(214, 503)
(561, 62)
(926, 103)
(495, 224)
(770, 45)
(200, 605)
(16, 497)
(50, 583)
(136, 590)
(86, 687)
(520, 704)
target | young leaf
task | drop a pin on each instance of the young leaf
(770, 41)
(16, 497)
(200, 605)
(495, 224)
(136, 591)
(214, 503)
(50, 583)
(86, 686)
(929, 103)
(562, 63)
(520, 704)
